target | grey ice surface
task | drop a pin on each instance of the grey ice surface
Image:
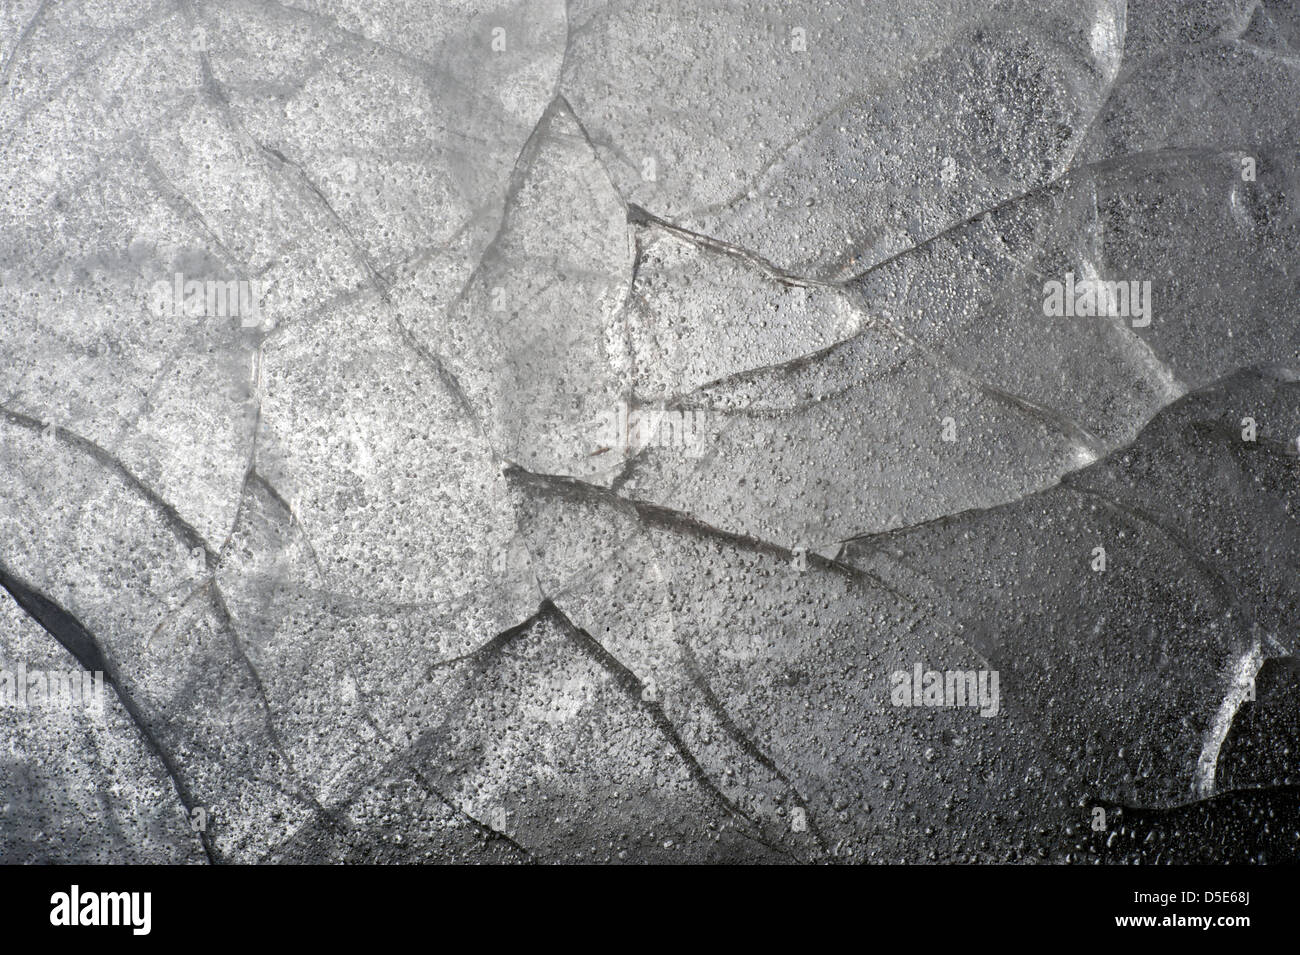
(610, 405)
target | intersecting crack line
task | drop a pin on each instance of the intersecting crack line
(394, 274)
(1136, 347)
(1077, 434)
(657, 515)
(303, 796)
(407, 759)
(227, 623)
(183, 530)
(628, 469)
(639, 216)
(1054, 419)
(746, 742)
(715, 705)
(626, 680)
(7, 66)
(853, 99)
(127, 422)
(209, 582)
(362, 43)
(1107, 93)
(784, 368)
(654, 515)
(523, 163)
(1044, 415)
(634, 688)
(1059, 184)
(359, 253)
(590, 492)
(1068, 169)
(593, 151)
(107, 151)
(85, 65)
(875, 538)
(255, 478)
(1218, 582)
(1203, 780)
(213, 588)
(188, 535)
(219, 95)
(78, 641)
(182, 204)
(548, 609)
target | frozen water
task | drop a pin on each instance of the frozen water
(516, 430)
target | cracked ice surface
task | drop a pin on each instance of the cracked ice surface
(524, 431)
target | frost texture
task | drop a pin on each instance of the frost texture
(634, 392)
